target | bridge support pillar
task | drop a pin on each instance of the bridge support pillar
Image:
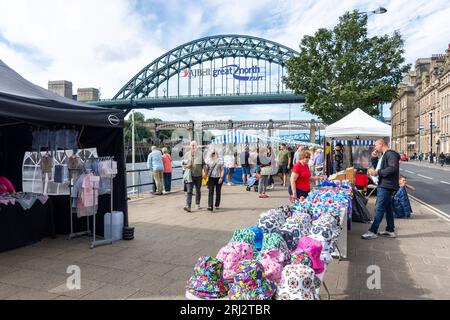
(191, 130)
(152, 127)
(270, 128)
(312, 132)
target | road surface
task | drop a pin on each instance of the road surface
(432, 184)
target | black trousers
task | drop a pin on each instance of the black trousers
(213, 184)
(197, 183)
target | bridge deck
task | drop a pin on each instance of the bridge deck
(201, 101)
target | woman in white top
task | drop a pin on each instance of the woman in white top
(230, 163)
(215, 178)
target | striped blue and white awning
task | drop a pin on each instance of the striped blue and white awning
(234, 136)
(366, 143)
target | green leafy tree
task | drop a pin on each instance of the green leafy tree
(138, 117)
(342, 69)
(141, 132)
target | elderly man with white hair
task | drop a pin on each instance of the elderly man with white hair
(156, 166)
(194, 163)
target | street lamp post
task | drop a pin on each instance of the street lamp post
(438, 150)
(431, 136)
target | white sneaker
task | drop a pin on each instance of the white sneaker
(369, 235)
(271, 187)
(165, 192)
(229, 184)
(387, 234)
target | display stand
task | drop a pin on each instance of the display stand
(341, 242)
(95, 242)
(88, 232)
(73, 234)
(340, 253)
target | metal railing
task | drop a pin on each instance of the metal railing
(139, 184)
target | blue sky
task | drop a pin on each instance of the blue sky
(103, 43)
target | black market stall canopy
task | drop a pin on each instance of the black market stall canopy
(25, 106)
(21, 99)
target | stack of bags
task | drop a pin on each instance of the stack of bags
(280, 258)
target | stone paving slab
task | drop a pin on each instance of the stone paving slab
(168, 242)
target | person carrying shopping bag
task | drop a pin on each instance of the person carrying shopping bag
(215, 168)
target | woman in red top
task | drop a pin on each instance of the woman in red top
(167, 175)
(301, 177)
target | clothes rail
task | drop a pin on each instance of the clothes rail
(73, 211)
(105, 241)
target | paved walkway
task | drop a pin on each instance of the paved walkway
(168, 241)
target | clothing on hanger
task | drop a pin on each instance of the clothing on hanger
(59, 176)
(85, 195)
(46, 163)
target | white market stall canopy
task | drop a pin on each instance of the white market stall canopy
(358, 125)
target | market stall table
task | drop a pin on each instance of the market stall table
(20, 227)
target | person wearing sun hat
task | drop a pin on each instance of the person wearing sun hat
(207, 281)
(251, 283)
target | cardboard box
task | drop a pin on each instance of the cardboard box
(350, 174)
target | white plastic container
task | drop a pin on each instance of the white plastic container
(117, 225)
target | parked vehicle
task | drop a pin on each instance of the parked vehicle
(404, 157)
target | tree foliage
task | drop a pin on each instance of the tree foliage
(341, 69)
(138, 117)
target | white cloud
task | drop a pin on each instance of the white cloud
(92, 43)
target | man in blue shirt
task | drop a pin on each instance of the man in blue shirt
(156, 166)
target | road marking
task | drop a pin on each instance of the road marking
(434, 210)
(425, 177)
(409, 171)
(445, 182)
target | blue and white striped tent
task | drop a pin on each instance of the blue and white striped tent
(366, 143)
(234, 136)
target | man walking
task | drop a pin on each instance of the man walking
(156, 166)
(284, 160)
(387, 173)
(194, 162)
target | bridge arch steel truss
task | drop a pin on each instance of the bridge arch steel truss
(198, 51)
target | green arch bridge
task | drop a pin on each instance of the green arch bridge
(215, 70)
